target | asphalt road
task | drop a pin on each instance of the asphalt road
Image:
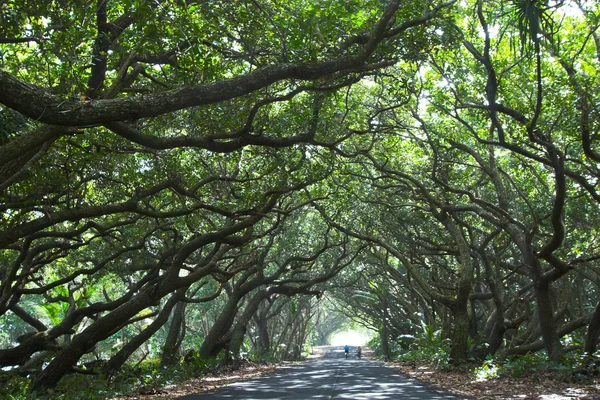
(332, 377)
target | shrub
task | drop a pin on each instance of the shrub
(488, 370)
(428, 345)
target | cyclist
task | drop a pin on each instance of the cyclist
(359, 352)
(347, 350)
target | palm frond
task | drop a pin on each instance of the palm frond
(532, 19)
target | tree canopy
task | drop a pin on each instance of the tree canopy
(200, 174)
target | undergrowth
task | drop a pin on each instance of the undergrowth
(572, 367)
(429, 346)
(147, 375)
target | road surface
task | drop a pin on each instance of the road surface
(332, 377)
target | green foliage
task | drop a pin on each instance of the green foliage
(149, 374)
(523, 365)
(13, 387)
(269, 356)
(531, 18)
(369, 159)
(531, 364)
(488, 370)
(428, 345)
(375, 344)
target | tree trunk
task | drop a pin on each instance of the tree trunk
(264, 340)
(495, 338)
(546, 318)
(126, 351)
(473, 328)
(591, 338)
(212, 343)
(290, 344)
(460, 333)
(85, 341)
(239, 331)
(216, 339)
(384, 332)
(496, 334)
(543, 300)
(172, 342)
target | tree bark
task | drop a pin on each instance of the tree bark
(126, 351)
(460, 333)
(384, 332)
(546, 319)
(496, 335)
(540, 344)
(172, 342)
(239, 330)
(41, 105)
(593, 331)
(264, 340)
(85, 341)
(213, 344)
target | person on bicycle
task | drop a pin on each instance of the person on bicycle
(347, 350)
(359, 352)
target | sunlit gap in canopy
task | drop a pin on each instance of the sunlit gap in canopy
(354, 337)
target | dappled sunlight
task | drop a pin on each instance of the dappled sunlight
(332, 377)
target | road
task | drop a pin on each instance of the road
(331, 377)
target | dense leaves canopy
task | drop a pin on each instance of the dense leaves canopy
(194, 173)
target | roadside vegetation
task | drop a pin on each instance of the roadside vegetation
(426, 357)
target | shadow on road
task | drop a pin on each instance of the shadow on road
(331, 377)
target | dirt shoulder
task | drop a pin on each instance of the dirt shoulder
(210, 381)
(543, 386)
